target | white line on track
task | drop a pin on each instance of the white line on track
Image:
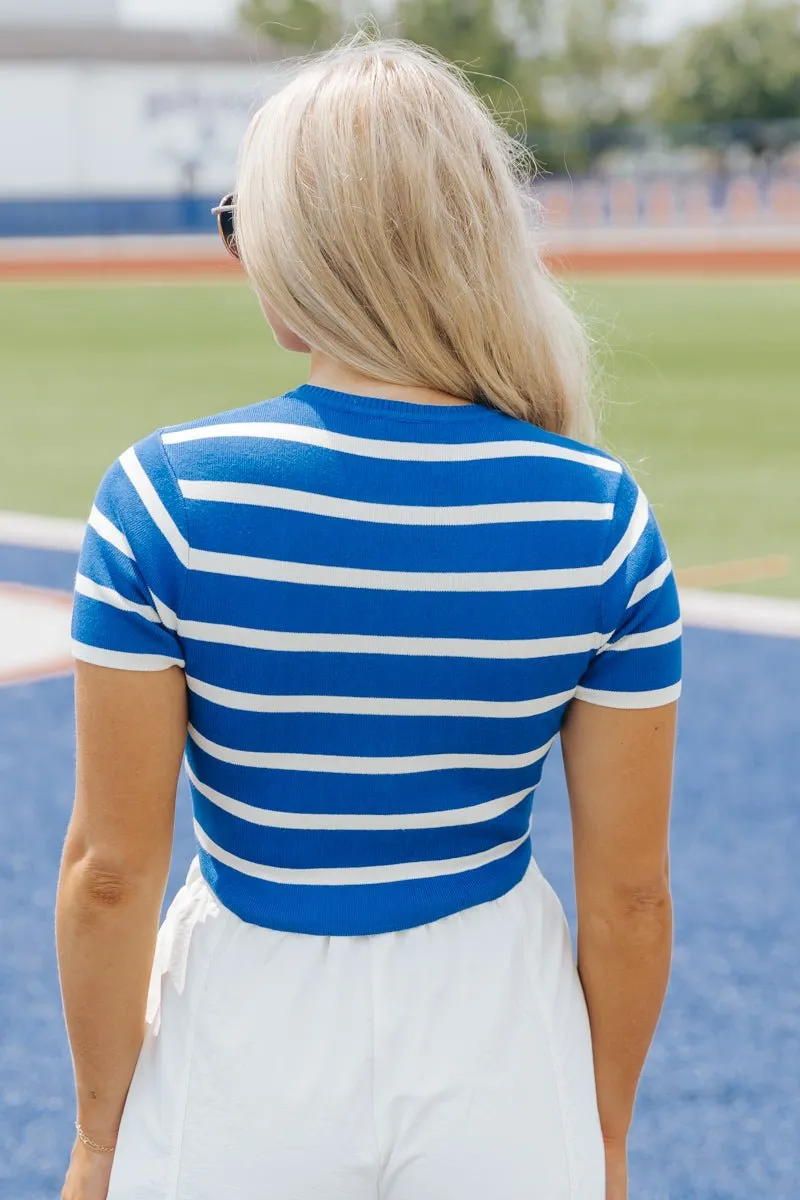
(41, 533)
(767, 615)
(34, 633)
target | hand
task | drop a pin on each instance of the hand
(616, 1169)
(88, 1174)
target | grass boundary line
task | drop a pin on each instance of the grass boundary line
(773, 616)
(737, 612)
(40, 533)
(53, 668)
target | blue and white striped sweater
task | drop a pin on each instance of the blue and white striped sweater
(382, 609)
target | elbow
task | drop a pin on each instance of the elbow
(104, 888)
(641, 912)
(647, 902)
(92, 883)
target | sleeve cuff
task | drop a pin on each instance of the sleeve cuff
(652, 699)
(123, 660)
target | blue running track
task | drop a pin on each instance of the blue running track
(719, 1110)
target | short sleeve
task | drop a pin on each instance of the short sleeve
(132, 566)
(639, 663)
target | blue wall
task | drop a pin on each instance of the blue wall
(91, 215)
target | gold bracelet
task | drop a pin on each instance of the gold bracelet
(90, 1145)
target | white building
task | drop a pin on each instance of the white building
(103, 114)
(62, 12)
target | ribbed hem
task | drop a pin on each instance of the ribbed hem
(405, 410)
(358, 910)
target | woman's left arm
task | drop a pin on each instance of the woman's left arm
(131, 732)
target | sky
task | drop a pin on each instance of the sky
(663, 20)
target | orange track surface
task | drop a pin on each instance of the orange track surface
(171, 267)
(760, 260)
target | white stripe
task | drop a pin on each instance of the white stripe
(154, 505)
(284, 571)
(107, 595)
(396, 451)
(652, 699)
(41, 533)
(630, 537)
(361, 643)
(650, 583)
(652, 637)
(390, 873)
(109, 532)
(168, 618)
(368, 706)
(281, 571)
(475, 814)
(347, 764)
(267, 496)
(122, 660)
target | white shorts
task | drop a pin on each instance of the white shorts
(447, 1062)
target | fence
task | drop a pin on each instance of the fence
(740, 201)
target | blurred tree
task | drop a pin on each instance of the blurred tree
(554, 70)
(473, 34)
(600, 59)
(595, 80)
(306, 24)
(468, 32)
(744, 67)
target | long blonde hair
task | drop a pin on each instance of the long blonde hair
(388, 219)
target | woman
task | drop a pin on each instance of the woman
(366, 609)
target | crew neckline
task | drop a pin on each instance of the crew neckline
(405, 410)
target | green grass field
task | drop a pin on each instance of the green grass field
(702, 384)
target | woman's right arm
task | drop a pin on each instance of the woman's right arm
(619, 772)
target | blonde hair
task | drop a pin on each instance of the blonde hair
(387, 218)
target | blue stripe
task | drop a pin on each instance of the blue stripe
(300, 849)
(108, 566)
(367, 908)
(313, 469)
(302, 537)
(665, 601)
(316, 469)
(314, 674)
(635, 670)
(265, 604)
(305, 468)
(340, 733)
(319, 792)
(371, 417)
(97, 624)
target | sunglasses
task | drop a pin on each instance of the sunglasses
(224, 214)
